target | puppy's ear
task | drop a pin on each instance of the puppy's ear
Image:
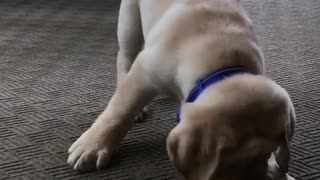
(283, 152)
(188, 149)
(183, 147)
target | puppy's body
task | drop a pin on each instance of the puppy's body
(200, 40)
(166, 47)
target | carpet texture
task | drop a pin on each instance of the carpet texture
(57, 73)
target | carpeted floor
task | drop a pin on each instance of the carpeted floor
(57, 73)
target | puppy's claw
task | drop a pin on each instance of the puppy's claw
(289, 177)
(73, 147)
(86, 162)
(73, 158)
(102, 160)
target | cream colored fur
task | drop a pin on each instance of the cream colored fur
(238, 129)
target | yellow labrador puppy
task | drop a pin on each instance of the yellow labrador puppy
(235, 123)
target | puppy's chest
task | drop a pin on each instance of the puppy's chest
(164, 79)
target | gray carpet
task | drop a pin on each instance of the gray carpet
(57, 73)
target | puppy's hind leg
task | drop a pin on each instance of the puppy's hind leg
(130, 39)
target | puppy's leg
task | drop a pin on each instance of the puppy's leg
(282, 154)
(94, 147)
(130, 36)
(130, 39)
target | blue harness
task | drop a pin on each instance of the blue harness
(211, 79)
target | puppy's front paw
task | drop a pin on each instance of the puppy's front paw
(90, 151)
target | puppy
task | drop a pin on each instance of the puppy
(234, 123)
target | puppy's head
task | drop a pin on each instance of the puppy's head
(232, 130)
